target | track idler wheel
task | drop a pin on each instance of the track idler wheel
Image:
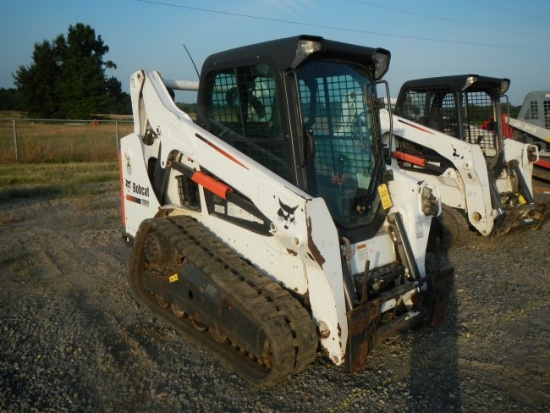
(159, 253)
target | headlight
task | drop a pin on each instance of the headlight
(381, 59)
(470, 80)
(431, 202)
(305, 48)
(504, 86)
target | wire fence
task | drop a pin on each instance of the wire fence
(60, 140)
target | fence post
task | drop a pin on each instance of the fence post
(116, 136)
(15, 141)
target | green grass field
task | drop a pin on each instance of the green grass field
(57, 158)
(56, 179)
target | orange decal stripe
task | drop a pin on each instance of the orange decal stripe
(220, 150)
(416, 127)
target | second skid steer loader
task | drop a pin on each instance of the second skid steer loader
(447, 132)
(533, 126)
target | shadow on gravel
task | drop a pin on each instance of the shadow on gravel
(434, 382)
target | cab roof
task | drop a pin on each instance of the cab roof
(282, 53)
(457, 83)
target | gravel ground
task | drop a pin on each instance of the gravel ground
(72, 339)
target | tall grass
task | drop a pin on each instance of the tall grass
(59, 141)
(58, 158)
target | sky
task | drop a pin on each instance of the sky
(498, 38)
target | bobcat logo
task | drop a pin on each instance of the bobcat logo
(128, 163)
(286, 214)
(456, 154)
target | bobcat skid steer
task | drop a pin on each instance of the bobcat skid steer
(533, 126)
(262, 231)
(447, 132)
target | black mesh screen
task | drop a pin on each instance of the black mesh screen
(546, 108)
(437, 109)
(243, 111)
(479, 122)
(334, 108)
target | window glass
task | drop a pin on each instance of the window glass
(335, 112)
(243, 110)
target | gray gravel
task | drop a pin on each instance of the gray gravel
(73, 340)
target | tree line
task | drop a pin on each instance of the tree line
(67, 80)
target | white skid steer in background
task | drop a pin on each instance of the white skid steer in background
(448, 134)
(533, 126)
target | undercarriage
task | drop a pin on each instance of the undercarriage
(186, 277)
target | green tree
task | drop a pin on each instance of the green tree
(67, 77)
(8, 99)
(36, 84)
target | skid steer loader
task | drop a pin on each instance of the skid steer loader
(265, 232)
(533, 126)
(447, 132)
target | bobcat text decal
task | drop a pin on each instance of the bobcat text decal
(139, 190)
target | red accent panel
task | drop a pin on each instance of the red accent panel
(543, 163)
(507, 131)
(123, 211)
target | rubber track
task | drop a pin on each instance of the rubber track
(286, 323)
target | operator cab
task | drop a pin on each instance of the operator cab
(305, 108)
(466, 107)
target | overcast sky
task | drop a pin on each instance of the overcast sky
(500, 38)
